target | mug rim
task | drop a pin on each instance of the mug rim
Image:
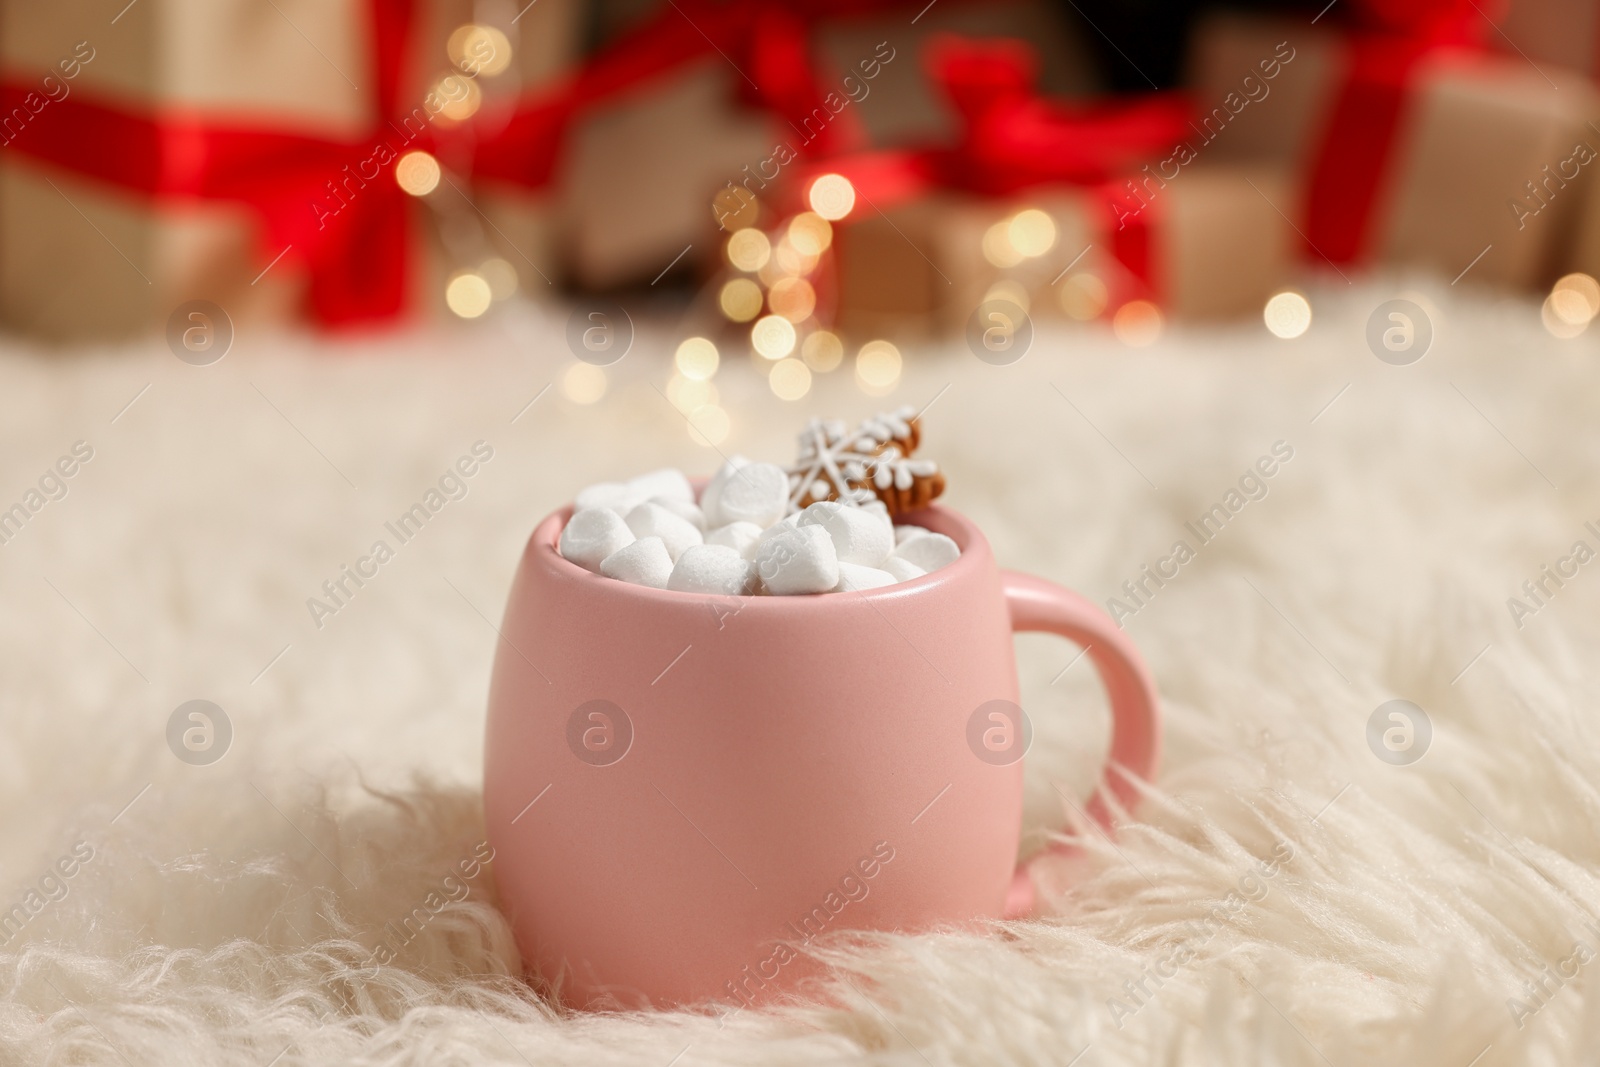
(976, 554)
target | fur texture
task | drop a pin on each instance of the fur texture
(1282, 897)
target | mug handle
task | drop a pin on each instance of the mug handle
(1040, 606)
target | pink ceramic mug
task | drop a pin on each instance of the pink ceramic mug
(681, 790)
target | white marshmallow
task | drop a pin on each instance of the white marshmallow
(796, 561)
(756, 492)
(742, 537)
(854, 577)
(902, 569)
(859, 536)
(645, 562)
(592, 535)
(930, 551)
(880, 509)
(668, 482)
(683, 509)
(783, 525)
(902, 534)
(653, 520)
(614, 495)
(713, 569)
(713, 490)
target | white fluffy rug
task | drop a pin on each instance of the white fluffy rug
(1285, 897)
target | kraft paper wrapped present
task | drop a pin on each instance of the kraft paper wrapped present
(1206, 244)
(1420, 151)
(174, 157)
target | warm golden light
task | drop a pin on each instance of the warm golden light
(1083, 296)
(790, 379)
(1031, 232)
(1575, 299)
(822, 351)
(687, 394)
(417, 173)
(1010, 290)
(479, 49)
(788, 260)
(459, 97)
(1554, 314)
(810, 233)
(1137, 323)
(877, 366)
(584, 383)
(749, 250)
(832, 196)
(740, 299)
(1287, 315)
(696, 358)
(997, 246)
(772, 336)
(793, 298)
(468, 294)
(734, 208)
(709, 425)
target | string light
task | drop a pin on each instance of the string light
(417, 173)
(749, 250)
(832, 196)
(740, 299)
(1031, 233)
(1574, 301)
(790, 379)
(461, 97)
(468, 294)
(997, 246)
(709, 425)
(793, 298)
(789, 260)
(878, 367)
(697, 358)
(1287, 315)
(584, 383)
(772, 336)
(1008, 289)
(822, 351)
(478, 49)
(686, 394)
(810, 233)
(1137, 323)
(1083, 296)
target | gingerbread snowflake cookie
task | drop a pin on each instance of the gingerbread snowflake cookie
(872, 462)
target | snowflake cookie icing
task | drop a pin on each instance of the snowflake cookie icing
(872, 462)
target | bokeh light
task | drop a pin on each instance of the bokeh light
(740, 299)
(1287, 315)
(460, 97)
(772, 336)
(832, 196)
(749, 250)
(709, 425)
(584, 383)
(1031, 232)
(793, 298)
(686, 394)
(790, 379)
(696, 358)
(878, 367)
(468, 294)
(997, 246)
(1137, 323)
(822, 351)
(479, 49)
(810, 233)
(1575, 299)
(417, 173)
(1083, 296)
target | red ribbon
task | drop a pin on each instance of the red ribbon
(1352, 165)
(340, 211)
